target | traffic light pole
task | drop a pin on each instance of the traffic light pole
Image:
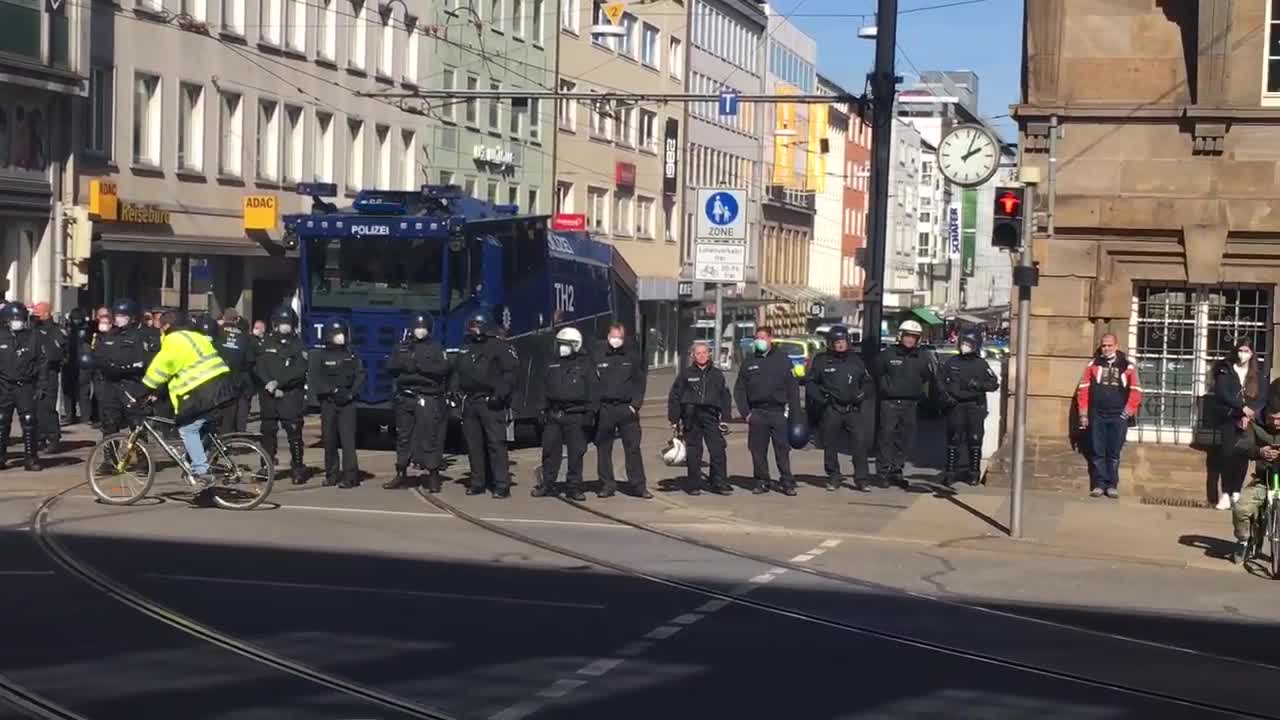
(1024, 278)
(884, 85)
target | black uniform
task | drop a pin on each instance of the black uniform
(571, 397)
(232, 343)
(965, 381)
(89, 376)
(902, 377)
(486, 375)
(121, 357)
(282, 359)
(53, 343)
(421, 373)
(838, 384)
(698, 400)
(765, 392)
(75, 393)
(336, 378)
(23, 369)
(622, 388)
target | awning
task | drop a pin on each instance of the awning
(797, 294)
(927, 315)
(109, 239)
(971, 319)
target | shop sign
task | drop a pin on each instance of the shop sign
(143, 214)
(493, 156)
(103, 201)
(569, 221)
(624, 175)
(671, 156)
(261, 212)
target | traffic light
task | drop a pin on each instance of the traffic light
(1006, 230)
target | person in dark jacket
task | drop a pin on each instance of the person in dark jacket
(838, 384)
(54, 342)
(622, 388)
(99, 326)
(1107, 400)
(121, 357)
(335, 377)
(233, 345)
(904, 373)
(767, 395)
(79, 335)
(421, 374)
(23, 369)
(1237, 387)
(485, 370)
(964, 382)
(279, 366)
(570, 400)
(698, 402)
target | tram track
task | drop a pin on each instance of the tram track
(32, 704)
(861, 629)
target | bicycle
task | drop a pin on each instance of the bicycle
(1266, 525)
(120, 470)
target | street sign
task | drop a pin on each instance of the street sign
(719, 262)
(728, 103)
(817, 310)
(684, 288)
(722, 216)
(614, 11)
(569, 221)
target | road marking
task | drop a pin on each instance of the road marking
(600, 667)
(662, 632)
(711, 606)
(632, 649)
(518, 711)
(561, 687)
(403, 513)
(378, 591)
(16, 573)
(830, 543)
(817, 551)
(805, 557)
(367, 511)
(573, 523)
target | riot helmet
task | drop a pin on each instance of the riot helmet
(284, 320)
(125, 313)
(420, 326)
(336, 333)
(206, 325)
(15, 316)
(477, 326)
(568, 341)
(836, 335)
(970, 341)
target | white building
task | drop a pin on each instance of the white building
(828, 225)
(902, 289)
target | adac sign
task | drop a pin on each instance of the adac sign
(105, 204)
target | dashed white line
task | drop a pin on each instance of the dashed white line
(804, 557)
(830, 543)
(762, 578)
(518, 711)
(561, 687)
(16, 573)
(817, 551)
(687, 619)
(662, 632)
(632, 649)
(600, 667)
(711, 606)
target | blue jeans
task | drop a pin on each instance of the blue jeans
(190, 434)
(1106, 439)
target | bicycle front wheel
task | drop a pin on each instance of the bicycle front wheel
(243, 474)
(1273, 537)
(120, 473)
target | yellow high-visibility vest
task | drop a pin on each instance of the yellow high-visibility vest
(186, 361)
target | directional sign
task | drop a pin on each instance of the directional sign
(728, 103)
(719, 262)
(614, 11)
(722, 215)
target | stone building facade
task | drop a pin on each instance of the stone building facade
(1165, 211)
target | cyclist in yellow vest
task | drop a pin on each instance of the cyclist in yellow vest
(199, 383)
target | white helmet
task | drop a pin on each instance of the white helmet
(571, 337)
(673, 453)
(910, 327)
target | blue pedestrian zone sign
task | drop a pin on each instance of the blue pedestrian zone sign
(728, 103)
(723, 215)
(722, 209)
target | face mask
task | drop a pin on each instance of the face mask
(339, 339)
(1244, 356)
(565, 350)
(615, 342)
(284, 328)
(259, 332)
(104, 326)
(122, 321)
(16, 325)
(420, 333)
(966, 349)
(761, 345)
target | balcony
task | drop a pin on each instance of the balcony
(791, 198)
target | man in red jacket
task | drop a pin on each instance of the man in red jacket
(1108, 399)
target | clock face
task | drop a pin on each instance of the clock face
(968, 156)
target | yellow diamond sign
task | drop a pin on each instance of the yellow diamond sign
(614, 11)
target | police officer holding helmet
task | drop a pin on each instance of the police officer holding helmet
(120, 356)
(23, 369)
(838, 383)
(485, 369)
(570, 399)
(335, 378)
(767, 395)
(421, 373)
(280, 369)
(904, 373)
(698, 400)
(965, 381)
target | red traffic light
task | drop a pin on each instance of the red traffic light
(1009, 203)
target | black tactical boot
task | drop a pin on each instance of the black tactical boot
(949, 466)
(31, 457)
(975, 464)
(642, 492)
(400, 481)
(834, 482)
(540, 490)
(473, 490)
(349, 480)
(299, 474)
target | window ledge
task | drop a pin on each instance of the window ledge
(569, 31)
(267, 183)
(384, 78)
(235, 36)
(411, 83)
(100, 160)
(271, 47)
(650, 67)
(357, 71)
(601, 139)
(567, 129)
(538, 44)
(232, 180)
(519, 38)
(146, 168)
(326, 61)
(649, 151)
(190, 175)
(295, 53)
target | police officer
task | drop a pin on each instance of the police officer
(965, 381)
(903, 373)
(622, 387)
(421, 374)
(838, 383)
(766, 391)
(232, 343)
(570, 399)
(698, 401)
(53, 343)
(335, 378)
(23, 370)
(280, 369)
(74, 398)
(486, 374)
(99, 326)
(120, 356)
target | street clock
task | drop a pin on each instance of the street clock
(969, 155)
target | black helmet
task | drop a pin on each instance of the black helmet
(206, 325)
(477, 325)
(127, 307)
(971, 335)
(15, 311)
(76, 316)
(284, 314)
(420, 320)
(837, 332)
(798, 434)
(335, 327)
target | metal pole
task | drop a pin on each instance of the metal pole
(1021, 364)
(884, 83)
(715, 342)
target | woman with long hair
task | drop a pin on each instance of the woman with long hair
(1239, 389)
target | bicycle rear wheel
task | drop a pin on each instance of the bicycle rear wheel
(1273, 537)
(243, 474)
(120, 474)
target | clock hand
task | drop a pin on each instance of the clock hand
(971, 153)
(972, 140)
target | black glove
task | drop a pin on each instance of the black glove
(496, 403)
(341, 397)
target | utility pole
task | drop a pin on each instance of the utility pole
(1025, 277)
(884, 87)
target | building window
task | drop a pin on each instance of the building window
(644, 217)
(473, 114)
(230, 134)
(532, 207)
(599, 18)
(146, 119)
(491, 192)
(649, 39)
(926, 216)
(495, 109)
(516, 126)
(446, 177)
(411, 43)
(513, 195)
(564, 197)
(624, 125)
(355, 154)
(271, 15)
(191, 127)
(449, 108)
(291, 143)
(669, 215)
(101, 116)
(382, 135)
(268, 140)
(356, 48)
(648, 130)
(387, 47)
(408, 160)
(324, 147)
(197, 9)
(675, 58)
(567, 109)
(233, 16)
(625, 43)
(535, 119)
(1272, 70)
(497, 20)
(327, 35)
(517, 18)
(622, 222)
(296, 25)
(569, 10)
(469, 187)
(597, 209)
(1176, 334)
(538, 7)
(924, 245)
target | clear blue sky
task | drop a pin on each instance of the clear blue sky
(985, 37)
